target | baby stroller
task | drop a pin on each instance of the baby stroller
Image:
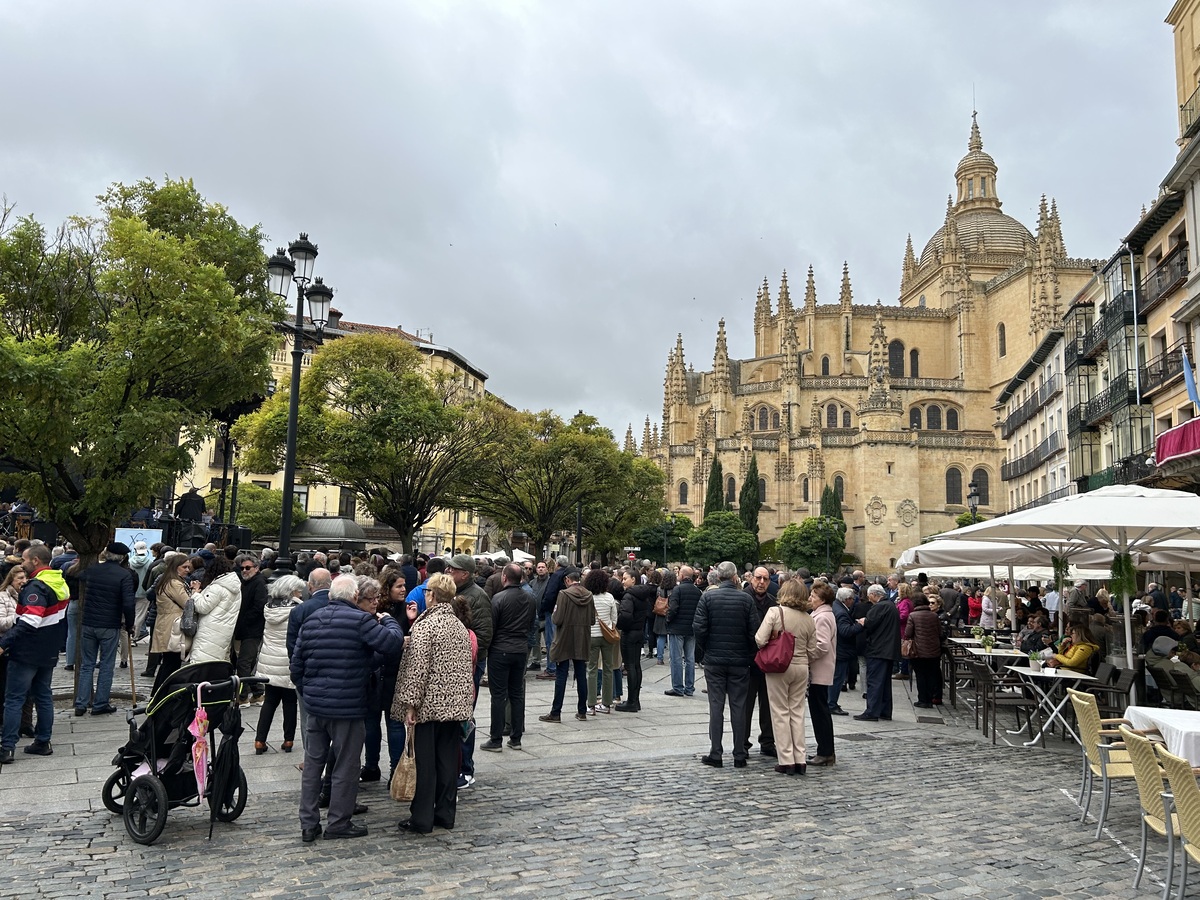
(169, 759)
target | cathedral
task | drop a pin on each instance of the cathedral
(893, 406)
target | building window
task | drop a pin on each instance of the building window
(983, 186)
(896, 359)
(762, 419)
(846, 322)
(845, 418)
(762, 490)
(980, 477)
(839, 488)
(952, 420)
(831, 416)
(683, 489)
(921, 302)
(933, 418)
(970, 188)
(824, 366)
(775, 420)
(300, 492)
(347, 503)
(953, 485)
(804, 490)
(914, 418)
(266, 485)
(1001, 344)
(730, 490)
(914, 363)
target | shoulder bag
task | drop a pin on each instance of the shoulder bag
(660, 606)
(404, 779)
(609, 633)
(189, 620)
(777, 655)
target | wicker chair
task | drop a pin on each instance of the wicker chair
(1101, 756)
(1182, 779)
(1149, 777)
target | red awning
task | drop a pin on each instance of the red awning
(1178, 443)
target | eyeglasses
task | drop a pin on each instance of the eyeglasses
(374, 597)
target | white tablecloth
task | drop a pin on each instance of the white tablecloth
(1180, 728)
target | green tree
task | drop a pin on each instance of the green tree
(541, 469)
(721, 537)
(749, 502)
(119, 337)
(714, 500)
(259, 509)
(371, 421)
(831, 506)
(631, 502)
(965, 519)
(650, 537)
(816, 544)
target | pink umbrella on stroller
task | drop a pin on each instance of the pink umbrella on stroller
(199, 731)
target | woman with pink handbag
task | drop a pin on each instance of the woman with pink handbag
(787, 689)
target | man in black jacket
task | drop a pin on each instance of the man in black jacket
(512, 612)
(251, 621)
(633, 608)
(724, 628)
(847, 646)
(762, 592)
(108, 603)
(681, 640)
(881, 625)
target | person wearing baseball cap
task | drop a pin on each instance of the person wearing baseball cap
(462, 569)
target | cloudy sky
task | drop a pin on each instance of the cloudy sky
(556, 188)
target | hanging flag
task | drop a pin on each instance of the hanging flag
(1189, 378)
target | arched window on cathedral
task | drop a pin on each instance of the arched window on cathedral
(914, 364)
(839, 488)
(954, 485)
(762, 419)
(762, 490)
(1001, 344)
(824, 366)
(914, 418)
(845, 418)
(951, 419)
(831, 416)
(683, 489)
(896, 359)
(980, 477)
(921, 302)
(933, 417)
(730, 490)
(804, 490)
(775, 420)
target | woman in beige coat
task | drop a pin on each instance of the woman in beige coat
(788, 690)
(172, 597)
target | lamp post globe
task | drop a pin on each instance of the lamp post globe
(973, 499)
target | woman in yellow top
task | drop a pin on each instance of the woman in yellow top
(1077, 654)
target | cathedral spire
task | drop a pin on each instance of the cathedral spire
(785, 298)
(654, 436)
(975, 142)
(646, 445)
(810, 292)
(1060, 247)
(976, 174)
(630, 446)
(846, 298)
(909, 268)
(720, 371)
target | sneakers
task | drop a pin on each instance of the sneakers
(465, 781)
(601, 708)
(673, 693)
(514, 745)
(582, 717)
(495, 745)
(369, 773)
(6, 756)
(40, 748)
(550, 718)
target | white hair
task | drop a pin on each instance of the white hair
(344, 587)
(877, 589)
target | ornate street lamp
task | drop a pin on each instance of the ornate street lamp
(973, 499)
(282, 272)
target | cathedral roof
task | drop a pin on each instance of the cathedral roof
(998, 232)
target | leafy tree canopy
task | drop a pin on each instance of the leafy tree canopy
(633, 500)
(721, 537)
(964, 519)
(804, 544)
(831, 506)
(259, 509)
(650, 538)
(120, 335)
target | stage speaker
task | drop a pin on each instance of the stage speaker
(238, 535)
(191, 535)
(46, 532)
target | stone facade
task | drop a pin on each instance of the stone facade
(892, 405)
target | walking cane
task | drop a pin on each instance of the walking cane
(132, 676)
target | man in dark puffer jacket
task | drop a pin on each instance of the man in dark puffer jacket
(726, 620)
(338, 648)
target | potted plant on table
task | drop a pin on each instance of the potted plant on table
(987, 642)
(977, 632)
(1035, 662)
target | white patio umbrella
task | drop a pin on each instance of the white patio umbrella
(1123, 519)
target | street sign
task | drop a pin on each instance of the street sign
(632, 549)
(632, 557)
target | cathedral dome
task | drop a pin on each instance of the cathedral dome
(997, 232)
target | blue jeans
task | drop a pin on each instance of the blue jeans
(683, 663)
(550, 666)
(32, 681)
(97, 643)
(467, 764)
(560, 686)
(662, 646)
(72, 630)
(840, 670)
(373, 741)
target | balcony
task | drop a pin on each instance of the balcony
(1101, 479)
(1164, 368)
(1047, 498)
(1189, 115)
(1164, 278)
(1133, 469)
(1120, 393)
(1023, 465)
(1026, 410)
(1094, 341)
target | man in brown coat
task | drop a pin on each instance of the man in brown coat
(574, 615)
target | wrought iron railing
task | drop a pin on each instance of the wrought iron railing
(1023, 465)
(1163, 278)
(1189, 115)
(1163, 368)
(1049, 497)
(1029, 408)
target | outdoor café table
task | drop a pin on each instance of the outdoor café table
(997, 655)
(1050, 684)
(1180, 728)
(965, 642)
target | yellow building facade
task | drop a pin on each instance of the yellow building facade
(894, 406)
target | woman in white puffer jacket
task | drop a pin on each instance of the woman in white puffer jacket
(283, 595)
(217, 605)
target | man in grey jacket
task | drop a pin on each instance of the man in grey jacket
(726, 620)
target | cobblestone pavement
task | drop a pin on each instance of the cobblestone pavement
(618, 806)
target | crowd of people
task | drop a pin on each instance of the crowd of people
(359, 649)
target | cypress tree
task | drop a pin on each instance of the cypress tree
(714, 500)
(749, 502)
